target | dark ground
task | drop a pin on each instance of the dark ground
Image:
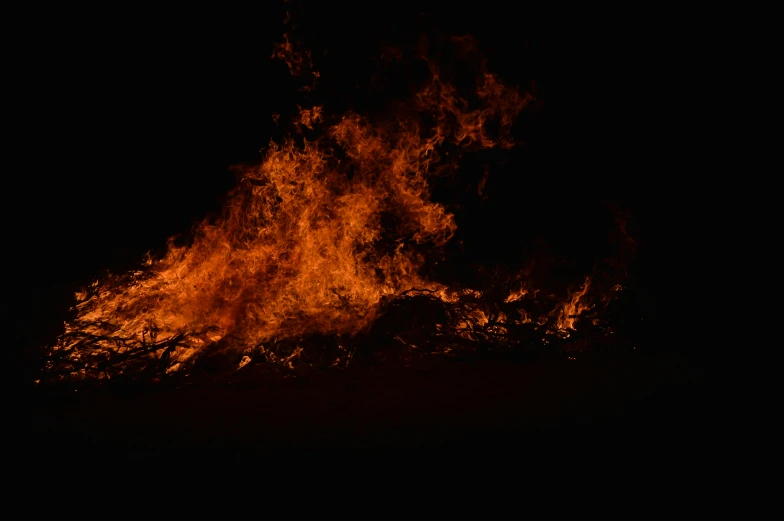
(633, 406)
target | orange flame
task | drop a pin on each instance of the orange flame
(569, 311)
(301, 247)
(335, 222)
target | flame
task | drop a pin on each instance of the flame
(298, 60)
(335, 222)
(516, 295)
(301, 247)
(569, 311)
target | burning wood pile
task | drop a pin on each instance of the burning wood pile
(325, 252)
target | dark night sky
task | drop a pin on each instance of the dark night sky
(142, 112)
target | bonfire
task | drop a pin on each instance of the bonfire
(326, 250)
